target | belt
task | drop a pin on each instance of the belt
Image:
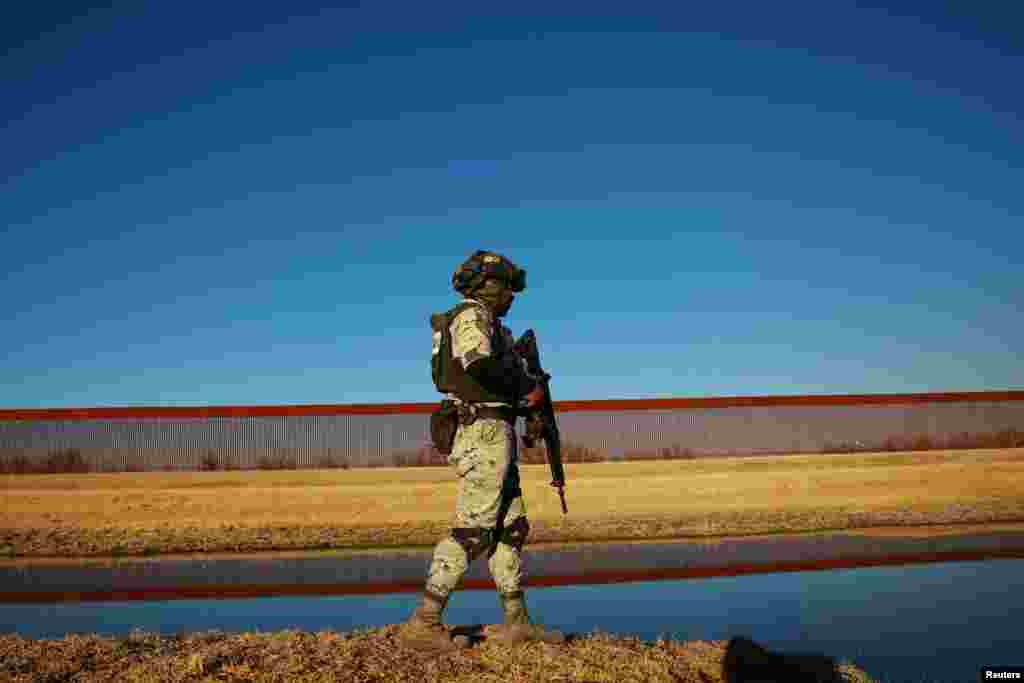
(469, 412)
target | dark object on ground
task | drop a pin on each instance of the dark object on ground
(747, 662)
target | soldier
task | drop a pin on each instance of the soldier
(485, 380)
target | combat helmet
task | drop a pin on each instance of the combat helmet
(484, 265)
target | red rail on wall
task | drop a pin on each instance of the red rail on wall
(561, 406)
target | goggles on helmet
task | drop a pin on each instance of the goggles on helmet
(493, 266)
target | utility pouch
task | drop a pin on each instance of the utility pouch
(444, 422)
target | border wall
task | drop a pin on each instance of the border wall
(383, 435)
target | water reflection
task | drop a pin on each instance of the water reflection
(926, 622)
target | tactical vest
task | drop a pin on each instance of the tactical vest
(449, 375)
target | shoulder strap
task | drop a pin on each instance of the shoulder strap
(441, 322)
(440, 362)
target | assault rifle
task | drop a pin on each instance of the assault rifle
(540, 419)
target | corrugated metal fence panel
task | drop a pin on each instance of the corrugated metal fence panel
(784, 428)
(366, 439)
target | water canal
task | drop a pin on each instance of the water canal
(938, 621)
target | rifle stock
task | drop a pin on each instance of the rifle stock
(540, 419)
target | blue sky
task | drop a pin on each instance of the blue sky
(207, 208)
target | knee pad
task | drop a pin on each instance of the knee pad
(473, 541)
(515, 533)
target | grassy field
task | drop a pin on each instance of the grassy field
(367, 655)
(79, 515)
(72, 515)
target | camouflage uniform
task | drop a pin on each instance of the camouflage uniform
(490, 516)
(489, 510)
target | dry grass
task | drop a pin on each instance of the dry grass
(365, 655)
(157, 512)
(140, 513)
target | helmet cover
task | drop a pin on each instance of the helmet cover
(486, 265)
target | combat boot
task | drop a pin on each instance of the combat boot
(517, 627)
(424, 630)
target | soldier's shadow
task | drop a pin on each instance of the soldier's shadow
(477, 633)
(747, 662)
